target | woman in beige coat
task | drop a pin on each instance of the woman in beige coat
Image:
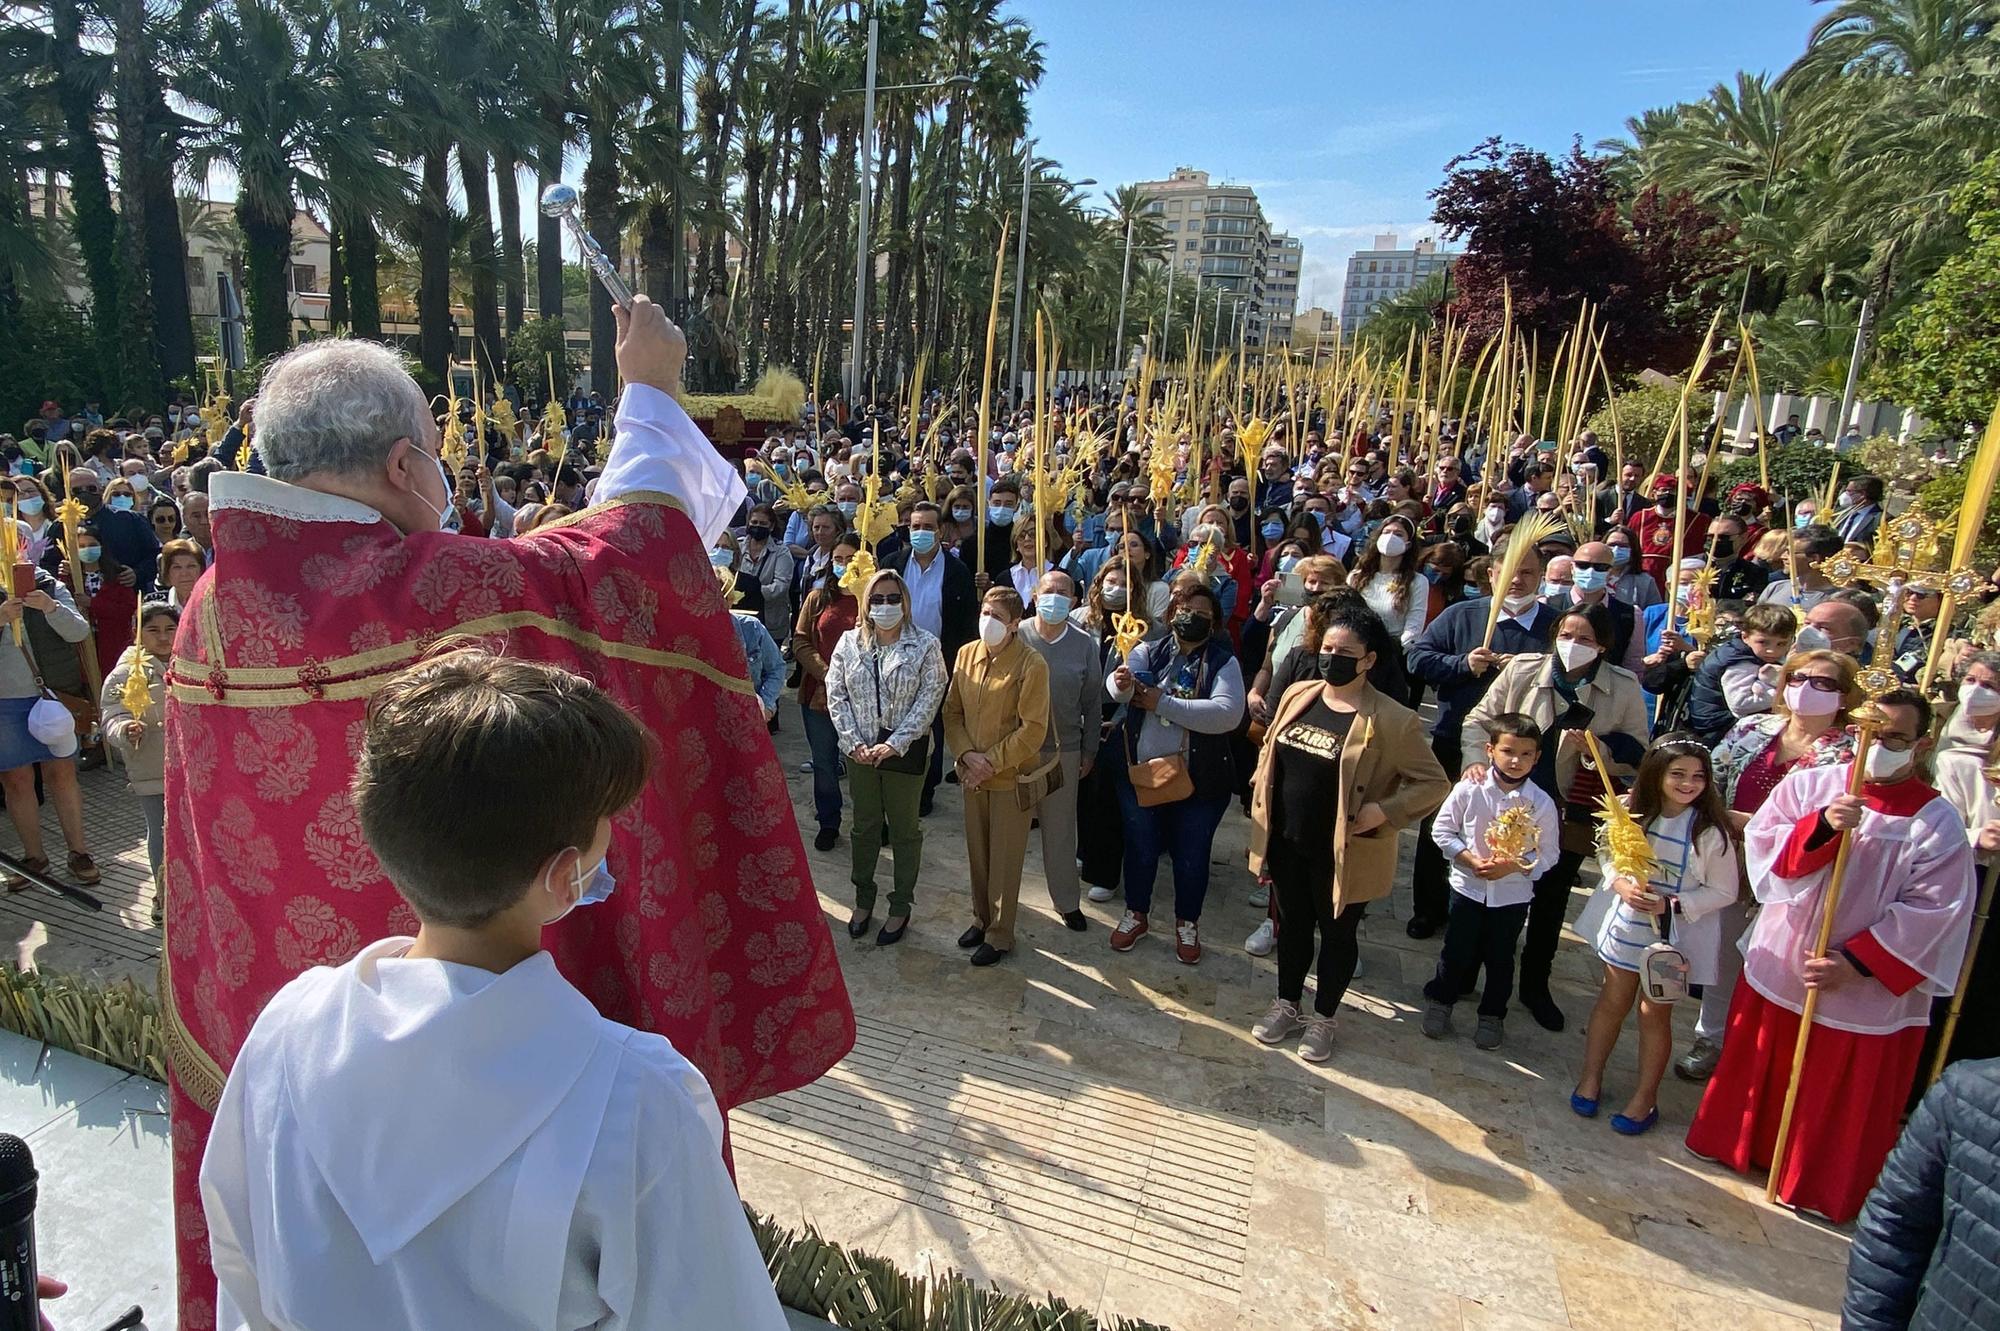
(1567, 690)
(1342, 772)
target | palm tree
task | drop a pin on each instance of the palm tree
(79, 81)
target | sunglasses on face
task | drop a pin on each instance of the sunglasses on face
(889, 599)
(1819, 682)
(85, 492)
(1601, 568)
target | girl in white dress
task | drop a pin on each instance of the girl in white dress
(1695, 875)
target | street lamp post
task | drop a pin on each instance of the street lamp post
(862, 253)
(1861, 333)
(1167, 326)
(1020, 274)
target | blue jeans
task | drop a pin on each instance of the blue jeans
(1183, 830)
(825, 742)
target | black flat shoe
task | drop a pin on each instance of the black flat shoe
(972, 937)
(1420, 926)
(1545, 1012)
(889, 937)
(857, 924)
(1076, 920)
(986, 954)
(827, 836)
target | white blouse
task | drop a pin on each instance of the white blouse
(1406, 622)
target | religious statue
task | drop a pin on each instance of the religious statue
(715, 358)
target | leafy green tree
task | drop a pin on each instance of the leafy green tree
(535, 346)
(1944, 352)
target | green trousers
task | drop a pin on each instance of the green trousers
(877, 794)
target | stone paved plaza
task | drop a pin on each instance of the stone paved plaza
(1104, 1128)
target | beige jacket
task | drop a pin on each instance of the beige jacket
(1527, 684)
(998, 705)
(1387, 761)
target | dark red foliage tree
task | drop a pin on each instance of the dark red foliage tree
(1555, 232)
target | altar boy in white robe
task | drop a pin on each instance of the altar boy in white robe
(442, 1132)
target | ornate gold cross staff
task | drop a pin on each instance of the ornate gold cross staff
(1905, 560)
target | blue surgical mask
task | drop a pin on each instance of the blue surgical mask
(1803, 519)
(119, 503)
(721, 558)
(961, 515)
(30, 507)
(839, 571)
(1273, 530)
(1001, 517)
(596, 888)
(1621, 554)
(1287, 564)
(923, 542)
(848, 508)
(1053, 607)
(1592, 579)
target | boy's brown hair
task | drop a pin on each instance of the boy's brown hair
(475, 768)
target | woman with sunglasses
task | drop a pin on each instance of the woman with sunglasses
(1806, 727)
(883, 687)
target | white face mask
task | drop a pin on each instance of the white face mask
(993, 630)
(1978, 700)
(1391, 543)
(1887, 764)
(885, 616)
(589, 891)
(1495, 515)
(1575, 655)
(1519, 605)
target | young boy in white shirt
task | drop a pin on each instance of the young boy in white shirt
(443, 1133)
(1490, 891)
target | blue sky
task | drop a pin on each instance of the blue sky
(1342, 114)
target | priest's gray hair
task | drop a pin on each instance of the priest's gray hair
(336, 406)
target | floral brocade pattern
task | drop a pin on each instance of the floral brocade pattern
(714, 937)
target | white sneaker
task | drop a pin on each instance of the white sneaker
(1282, 1020)
(1260, 899)
(1100, 893)
(1263, 942)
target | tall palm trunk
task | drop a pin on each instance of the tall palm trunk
(902, 247)
(672, 86)
(755, 154)
(166, 247)
(142, 360)
(90, 196)
(487, 347)
(338, 313)
(600, 212)
(656, 252)
(708, 103)
(361, 256)
(264, 215)
(434, 340)
(513, 277)
(548, 231)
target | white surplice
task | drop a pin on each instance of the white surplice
(415, 1143)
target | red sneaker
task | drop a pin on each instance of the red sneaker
(1129, 931)
(1187, 942)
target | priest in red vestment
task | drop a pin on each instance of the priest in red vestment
(333, 573)
(1899, 934)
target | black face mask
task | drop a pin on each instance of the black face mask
(1338, 670)
(758, 533)
(1193, 629)
(1725, 548)
(1237, 503)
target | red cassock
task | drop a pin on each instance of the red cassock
(713, 936)
(1655, 535)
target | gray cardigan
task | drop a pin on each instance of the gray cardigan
(17, 672)
(1075, 678)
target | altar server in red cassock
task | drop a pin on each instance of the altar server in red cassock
(1899, 934)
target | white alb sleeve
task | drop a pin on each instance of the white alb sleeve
(660, 449)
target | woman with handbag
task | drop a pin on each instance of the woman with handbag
(1183, 700)
(1566, 690)
(1344, 769)
(22, 692)
(996, 716)
(883, 685)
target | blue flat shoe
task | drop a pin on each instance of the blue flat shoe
(1635, 1127)
(1582, 1105)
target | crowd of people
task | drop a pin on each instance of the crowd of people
(1344, 633)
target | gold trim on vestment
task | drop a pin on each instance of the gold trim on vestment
(198, 1072)
(349, 677)
(660, 497)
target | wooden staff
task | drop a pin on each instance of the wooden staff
(1981, 912)
(1979, 485)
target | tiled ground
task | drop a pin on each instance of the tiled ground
(1104, 1127)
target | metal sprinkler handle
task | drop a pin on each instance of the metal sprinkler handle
(560, 201)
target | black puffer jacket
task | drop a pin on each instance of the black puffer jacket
(1927, 1247)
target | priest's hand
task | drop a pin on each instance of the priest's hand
(1829, 972)
(651, 350)
(1844, 814)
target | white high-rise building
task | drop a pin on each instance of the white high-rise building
(1377, 274)
(1223, 244)
(1281, 287)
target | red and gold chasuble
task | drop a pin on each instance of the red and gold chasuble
(713, 937)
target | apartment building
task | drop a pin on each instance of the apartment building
(1378, 274)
